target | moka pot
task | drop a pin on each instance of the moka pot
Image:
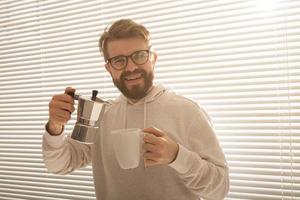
(90, 112)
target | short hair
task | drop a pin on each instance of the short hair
(123, 28)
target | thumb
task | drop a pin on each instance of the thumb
(70, 91)
(155, 131)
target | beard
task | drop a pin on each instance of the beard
(137, 91)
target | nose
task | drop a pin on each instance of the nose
(131, 66)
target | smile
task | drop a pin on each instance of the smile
(133, 77)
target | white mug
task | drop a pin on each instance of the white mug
(127, 144)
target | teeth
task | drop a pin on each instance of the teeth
(133, 76)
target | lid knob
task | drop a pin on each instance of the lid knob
(94, 95)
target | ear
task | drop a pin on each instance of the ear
(153, 58)
(107, 68)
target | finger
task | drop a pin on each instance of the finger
(155, 131)
(60, 116)
(65, 106)
(149, 147)
(148, 162)
(150, 155)
(152, 139)
(61, 113)
(62, 105)
(59, 120)
(63, 97)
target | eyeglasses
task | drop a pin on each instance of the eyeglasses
(138, 57)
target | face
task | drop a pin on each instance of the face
(134, 81)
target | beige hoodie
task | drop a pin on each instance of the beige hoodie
(199, 171)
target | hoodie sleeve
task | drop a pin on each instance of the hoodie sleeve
(201, 162)
(62, 155)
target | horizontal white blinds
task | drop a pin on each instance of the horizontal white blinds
(238, 58)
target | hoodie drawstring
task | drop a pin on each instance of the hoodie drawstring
(125, 117)
(156, 91)
(145, 114)
(125, 113)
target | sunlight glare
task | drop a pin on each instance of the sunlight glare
(267, 5)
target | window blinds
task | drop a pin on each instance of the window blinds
(238, 58)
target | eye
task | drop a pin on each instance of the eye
(140, 56)
(119, 60)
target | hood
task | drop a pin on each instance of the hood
(153, 94)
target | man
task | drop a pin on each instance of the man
(182, 158)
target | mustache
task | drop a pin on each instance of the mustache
(136, 71)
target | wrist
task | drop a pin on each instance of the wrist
(53, 128)
(175, 153)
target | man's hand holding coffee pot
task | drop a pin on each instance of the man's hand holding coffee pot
(159, 148)
(60, 108)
